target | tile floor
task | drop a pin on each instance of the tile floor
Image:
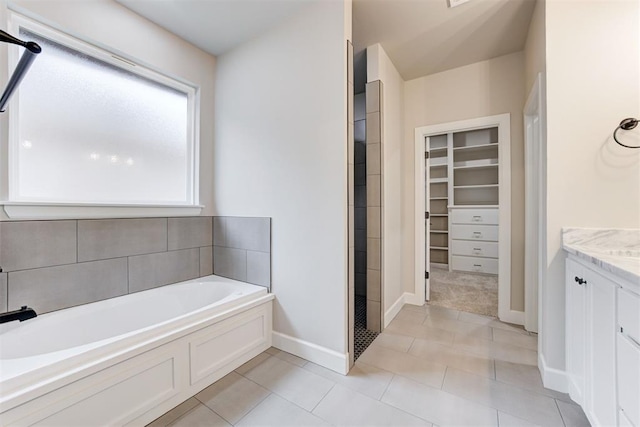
(431, 366)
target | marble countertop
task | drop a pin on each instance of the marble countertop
(614, 250)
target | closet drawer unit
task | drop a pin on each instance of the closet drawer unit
(475, 249)
(474, 216)
(629, 314)
(487, 233)
(628, 374)
(473, 264)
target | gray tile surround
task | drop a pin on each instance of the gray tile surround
(35, 244)
(153, 270)
(115, 238)
(53, 288)
(230, 262)
(51, 265)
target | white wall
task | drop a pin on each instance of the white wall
(281, 152)
(380, 67)
(482, 89)
(593, 82)
(110, 24)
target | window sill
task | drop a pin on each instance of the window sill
(31, 210)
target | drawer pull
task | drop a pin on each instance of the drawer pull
(476, 218)
(477, 234)
(477, 265)
(580, 281)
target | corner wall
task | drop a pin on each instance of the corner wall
(281, 152)
(593, 82)
(380, 67)
(482, 89)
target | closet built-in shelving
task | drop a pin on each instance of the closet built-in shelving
(463, 174)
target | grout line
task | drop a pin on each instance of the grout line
(77, 241)
(387, 387)
(560, 412)
(446, 369)
(320, 401)
(128, 284)
(269, 393)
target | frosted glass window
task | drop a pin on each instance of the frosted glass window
(93, 132)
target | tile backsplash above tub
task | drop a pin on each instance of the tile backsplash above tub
(51, 265)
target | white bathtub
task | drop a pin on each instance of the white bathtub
(192, 324)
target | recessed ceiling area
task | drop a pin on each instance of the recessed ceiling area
(424, 37)
(215, 26)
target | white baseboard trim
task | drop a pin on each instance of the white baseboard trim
(394, 309)
(554, 379)
(322, 356)
(413, 299)
(512, 316)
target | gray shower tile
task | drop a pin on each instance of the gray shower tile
(3, 292)
(373, 159)
(359, 134)
(373, 285)
(35, 244)
(361, 240)
(360, 192)
(153, 270)
(219, 238)
(54, 288)
(113, 238)
(373, 128)
(361, 262)
(253, 234)
(206, 261)
(373, 96)
(360, 218)
(373, 190)
(229, 262)
(259, 268)
(373, 221)
(194, 232)
(360, 149)
(361, 174)
(373, 254)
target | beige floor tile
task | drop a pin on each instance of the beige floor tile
(422, 308)
(496, 350)
(295, 384)
(175, 413)
(253, 363)
(525, 376)
(400, 327)
(449, 356)
(490, 321)
(409, 315)
(346, 407)
(506, 420)
(573, 415)
(232, 397)
(516, 338)
(437, 406)
(459, 328)
(278, 412)
(435, 311)
(362, 378)
(415, 368)
(200, 416)
(288, 357)
(394, 341)
(515, 401)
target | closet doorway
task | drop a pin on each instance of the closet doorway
(463, 215)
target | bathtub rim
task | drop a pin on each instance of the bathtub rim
(24, 387)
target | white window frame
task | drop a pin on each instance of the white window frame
(17, 209)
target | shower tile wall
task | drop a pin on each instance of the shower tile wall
(351, 201)
(51, 265)
(360, 181)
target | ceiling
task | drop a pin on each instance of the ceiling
(420, 36)
(215, 26)
(424, 37)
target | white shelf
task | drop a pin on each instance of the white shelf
(439, 248)
(456, 187)
(438, 198)
(475, 163)
(439, 180)
(472, 206)
(439, 215)
(438, 149)
(438, 161)
(439, 231)
(493, 165)
(476, 147)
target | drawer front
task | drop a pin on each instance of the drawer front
(481, 249)
(477, 265)
(629, 313)
(474, 216)
(487, 233)
(628, 374)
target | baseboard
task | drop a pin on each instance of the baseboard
(554, 379)
(512, 316)
(394, 309)
(322, 356)
(413, 299)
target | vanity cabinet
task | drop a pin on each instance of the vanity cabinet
(602, 355)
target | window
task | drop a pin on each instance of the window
(90, 127)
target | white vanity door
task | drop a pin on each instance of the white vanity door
(576, 330)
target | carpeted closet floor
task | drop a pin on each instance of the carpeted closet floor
(473, 293)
